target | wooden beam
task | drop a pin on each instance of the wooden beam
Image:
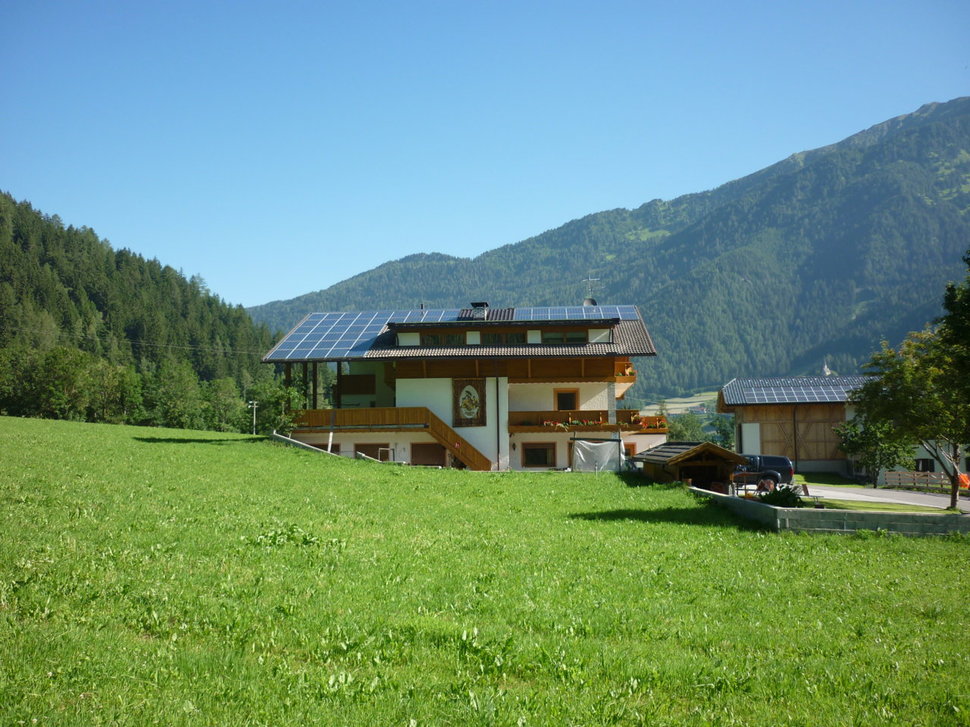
(314, 367)
(287, 381)
(338, 390)
(306, 381)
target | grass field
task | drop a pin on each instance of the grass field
(187, 578)
(870, 506)
(683, 404)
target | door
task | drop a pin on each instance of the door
(428, 455)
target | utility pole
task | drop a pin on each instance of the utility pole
(252, 405)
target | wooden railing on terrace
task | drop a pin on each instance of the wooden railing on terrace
(627, 420)
(395, 418)
(385, 417)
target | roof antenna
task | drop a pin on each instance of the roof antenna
(589, 300)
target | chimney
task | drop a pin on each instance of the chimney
(480, 310)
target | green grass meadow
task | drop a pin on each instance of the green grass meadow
(154, 576)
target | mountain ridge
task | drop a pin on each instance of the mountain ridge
(812, 259)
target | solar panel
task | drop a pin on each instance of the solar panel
(793, 390)
(576, 313)
(334, 336)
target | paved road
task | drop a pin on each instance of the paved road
(907, 497)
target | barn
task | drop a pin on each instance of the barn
(792, 416)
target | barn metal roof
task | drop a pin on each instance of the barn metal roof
(790, 390)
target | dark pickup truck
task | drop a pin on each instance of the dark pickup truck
(760, 466)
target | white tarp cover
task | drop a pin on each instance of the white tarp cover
(596, 456)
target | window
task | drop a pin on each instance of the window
(566, 399)
(503, 339)
(442, 339)
(362, 384)
(557, 337)
(925, 465)
(536, 454)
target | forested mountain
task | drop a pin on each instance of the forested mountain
(810, 261)
(89, 332)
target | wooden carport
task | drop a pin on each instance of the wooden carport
(704, 463)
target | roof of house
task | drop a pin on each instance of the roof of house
(671, 453)
(790, 390)
(372, 334)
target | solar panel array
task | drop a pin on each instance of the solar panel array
(576, 313)
(330, 336)
(333, 336)
(794, 390)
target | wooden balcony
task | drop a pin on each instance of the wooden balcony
(625, 376)
(588, 420)
(405, 418)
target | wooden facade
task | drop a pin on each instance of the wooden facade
(520, 370)
(589, 420)
(801, 432)
(705, 464)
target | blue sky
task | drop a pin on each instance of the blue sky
(278, 148)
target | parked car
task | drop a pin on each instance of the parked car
(760, 466)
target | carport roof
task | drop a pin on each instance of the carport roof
(671, 453)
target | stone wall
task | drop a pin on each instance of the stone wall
(809, 519)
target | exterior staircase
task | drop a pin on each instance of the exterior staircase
(382, 419)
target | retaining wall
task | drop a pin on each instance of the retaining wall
(809, 519)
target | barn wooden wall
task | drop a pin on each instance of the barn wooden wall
(800, 432)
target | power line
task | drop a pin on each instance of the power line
(138, 342)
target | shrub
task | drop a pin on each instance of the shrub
(782, 496)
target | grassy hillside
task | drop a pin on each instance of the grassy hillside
(188, 578)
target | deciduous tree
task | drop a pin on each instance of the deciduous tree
(922, 387)
(876, 444)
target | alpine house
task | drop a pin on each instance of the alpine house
(482, 388)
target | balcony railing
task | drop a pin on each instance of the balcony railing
(588, 420)
(624, 370)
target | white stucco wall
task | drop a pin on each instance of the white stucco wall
(644, 441)
(432, 393)
(436, 395)
(563, 439)
(400, 442)
(540, 397)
